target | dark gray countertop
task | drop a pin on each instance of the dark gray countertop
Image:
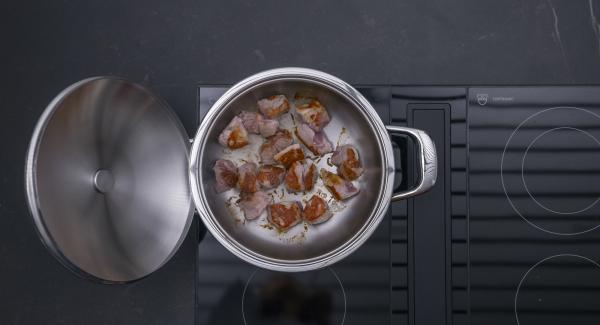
(173, 45)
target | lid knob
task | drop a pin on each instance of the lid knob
(103, 180)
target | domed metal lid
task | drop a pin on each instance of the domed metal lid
(107, 180)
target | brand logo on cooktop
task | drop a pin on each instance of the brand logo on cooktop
(482, 99)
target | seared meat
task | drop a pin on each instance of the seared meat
(310, 175)
(340, 188)
(257, 124)
(294, 181)
(316, 210)
(348, 162)
(284, 215)
(235, 134)
(267, 127)
(270, 176)
(226, 175)
(254, 204)
(301, 176)
(316, 142)
(273, 145)
(273, 106)
(312, 112)
(247, 177)
(289, 155)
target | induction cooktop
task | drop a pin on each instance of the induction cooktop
(508, 235)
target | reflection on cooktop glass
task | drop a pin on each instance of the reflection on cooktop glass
(316, 297)
(230, 291)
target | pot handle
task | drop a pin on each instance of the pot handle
(427, 161)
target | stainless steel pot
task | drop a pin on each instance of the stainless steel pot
(353, 117)
(110, 182)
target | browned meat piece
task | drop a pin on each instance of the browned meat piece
(312, 112)
(270, 176)
(254, 204)
(301, 176)
(284, 215)
(247, 178)
(348, 162)
(289, 155)
(273, 106)
(273, 145)
(294, 178)
(316, 210)
(310, 176)
(226, 175)
(235, 134)
(316, 142)
(350, 170)
(342, 153)
(340, 188)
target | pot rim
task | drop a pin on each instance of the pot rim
(341, 88)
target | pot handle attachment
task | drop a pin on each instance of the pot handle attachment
(427, 161)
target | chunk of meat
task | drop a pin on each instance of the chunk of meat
(289, 155)
(301, 176)
(267, 151)
(340, 188)
(251, 121)
(310, 175)
(316, 210)
(254, 204)
(247, 177)
(311, 112)
(316, 142)
(235, 134)
(284, 215)
(268, 127)
(255, 123)
(273, 145)
(347, 161)
(340, 154)
(273, 106)
(270, 176)
(294, 180)
(226, 175)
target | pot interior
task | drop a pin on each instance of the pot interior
(303, 243)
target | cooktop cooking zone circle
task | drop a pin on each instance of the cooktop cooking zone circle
(313, 297)
(560, 289)
(550, 172)
(547, 136)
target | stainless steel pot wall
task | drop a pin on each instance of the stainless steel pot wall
(351, 226)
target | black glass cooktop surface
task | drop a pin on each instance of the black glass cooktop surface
(510, 234)
(534, 185)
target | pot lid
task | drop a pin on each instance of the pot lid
(107, 180)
